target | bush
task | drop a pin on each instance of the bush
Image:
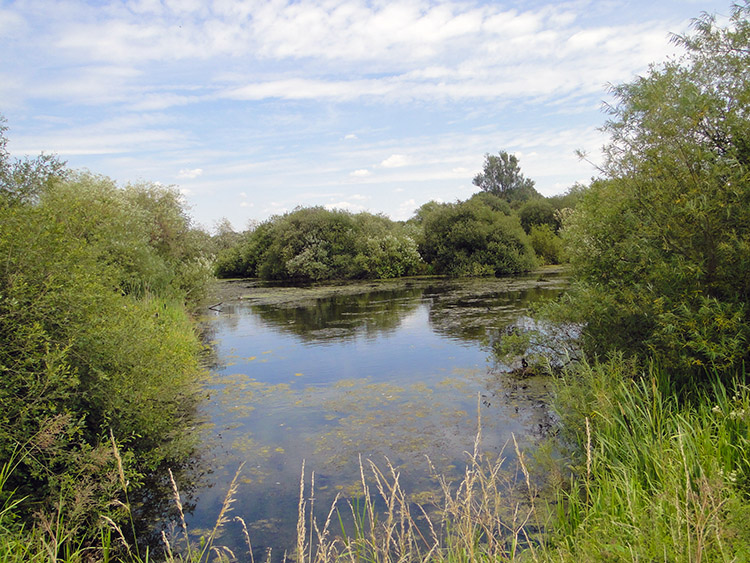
(661, 246)
(538, 212)
(472, 239)
(546, 244)
(312, 244)
(95, 342)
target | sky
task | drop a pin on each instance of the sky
(252, 108)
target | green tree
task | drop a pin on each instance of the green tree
(661, 244)
(501, 176)
(473, 239)
(536, 212)
(23, 180)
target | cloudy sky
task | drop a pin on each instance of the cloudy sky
(254, 107)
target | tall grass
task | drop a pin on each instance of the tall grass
(657, 477)
(483, 517)
(653, 477)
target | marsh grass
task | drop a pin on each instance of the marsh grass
(652, 476)
(488, 515)
(658, 477)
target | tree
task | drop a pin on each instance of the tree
(537, 212)
(661, 244)
(24, 180)
(471, 238)
(502, 177)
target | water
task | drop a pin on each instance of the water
(397, 371)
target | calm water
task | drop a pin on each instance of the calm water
(375, 370)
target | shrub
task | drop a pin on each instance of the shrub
(546, 244)
(472, 239)
(661, 246)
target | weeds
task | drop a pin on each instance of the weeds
(663, 479)
(654, 478)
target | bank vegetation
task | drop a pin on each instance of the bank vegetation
(651, 459)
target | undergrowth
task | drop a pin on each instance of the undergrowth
(652, 476)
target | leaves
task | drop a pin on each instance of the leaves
(660, 245)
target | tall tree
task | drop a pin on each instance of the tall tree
(661, 244)
(502, 177)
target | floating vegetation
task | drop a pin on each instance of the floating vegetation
(387, 371)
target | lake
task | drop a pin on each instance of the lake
(393, 372)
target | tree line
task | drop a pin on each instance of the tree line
(507, 228)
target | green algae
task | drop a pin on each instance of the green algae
(332, 424)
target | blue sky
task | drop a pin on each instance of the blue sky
(252, 107)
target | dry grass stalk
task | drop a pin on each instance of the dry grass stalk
(170, 556)
(246, 535)
(121, 472)
(178, 503)
(120, 535)
(226, 508)
(301, 532)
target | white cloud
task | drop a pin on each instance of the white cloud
(395, 161)
(190, 173)
(345, 206)
(405, 210)
(264, 94)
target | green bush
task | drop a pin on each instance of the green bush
(538, 212)
(546, 244)
(661, 246)
(473, 239)
(95, 342)
(312, 244)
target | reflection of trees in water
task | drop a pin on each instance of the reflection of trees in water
(153, 504)
(342, 317)
(471, 310)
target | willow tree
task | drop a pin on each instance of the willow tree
(661, 243)
(501, 176)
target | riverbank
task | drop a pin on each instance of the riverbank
(262, 292)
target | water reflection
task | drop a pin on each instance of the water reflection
(342, 317)
(329, 375)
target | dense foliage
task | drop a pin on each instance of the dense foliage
(472, 238)
(482, 236)
(95, 341)
(311, 244)
(661, 245)
(659, 418)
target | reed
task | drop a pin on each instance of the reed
(658, 477)
(485, 516)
